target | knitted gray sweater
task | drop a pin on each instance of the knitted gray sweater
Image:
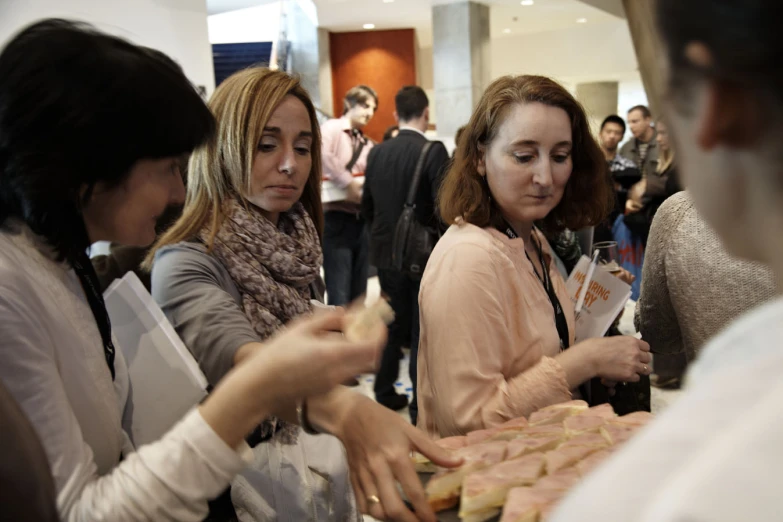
(691, 287)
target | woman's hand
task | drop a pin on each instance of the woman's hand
(632, 207)
(310, 357)
(378, 443)
(307, 358)
(619, 359)
(626, 277)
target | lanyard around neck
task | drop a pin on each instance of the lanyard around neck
(560, 319)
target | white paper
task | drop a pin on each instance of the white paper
(165, 379)
(331, 193)
(605, 299)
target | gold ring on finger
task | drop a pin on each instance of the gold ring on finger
(373, 499)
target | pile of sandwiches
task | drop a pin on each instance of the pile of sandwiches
(525, 466)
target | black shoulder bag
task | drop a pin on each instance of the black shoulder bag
(413, 242)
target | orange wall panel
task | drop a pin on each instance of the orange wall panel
(384, 60)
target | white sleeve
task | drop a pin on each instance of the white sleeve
(169, 480)
(736, 474)
(640, 482)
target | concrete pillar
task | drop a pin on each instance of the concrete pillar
(325, 74)
(309, 50)
(461, 61)
(599, 100)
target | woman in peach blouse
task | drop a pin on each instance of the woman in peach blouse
(497, 326)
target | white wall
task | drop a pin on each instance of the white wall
(582, 53)
(176, 27)
(254, 24)
(589, 53)
(631, 93)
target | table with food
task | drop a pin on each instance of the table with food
(519, 471)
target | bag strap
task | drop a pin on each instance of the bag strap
(417, 175)
(357, 151)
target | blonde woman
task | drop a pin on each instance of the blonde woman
(238, 266)
(648, 195)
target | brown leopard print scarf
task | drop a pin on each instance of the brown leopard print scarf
(273, 267)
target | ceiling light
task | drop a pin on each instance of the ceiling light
(527, 2)
(369, 26)
(507, 31)
(388, 1)
(581, 20)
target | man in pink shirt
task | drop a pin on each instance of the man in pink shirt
(344, 156)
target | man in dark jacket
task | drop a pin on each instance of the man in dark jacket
(390, 168)
(642, 148)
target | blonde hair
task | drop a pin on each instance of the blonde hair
(221, 169)
(666, 159)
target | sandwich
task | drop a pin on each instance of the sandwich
(527, 504)
(563, 458)
(589, 421)
(586, 465)
(562, 480)
(423, 464)
(549, 430)
(509, 430)
(637, 419)
(487, 489)
(617, 434)
(527, 445)
(443, 490)
(362, 323)
(595, 440)
(557, 413)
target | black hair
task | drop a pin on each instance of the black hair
(641, 108)
(743, 38)
(79, 107)
(410, 102)
(389, 134)
(357, 95)
(613, 118)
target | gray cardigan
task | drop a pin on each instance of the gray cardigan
(202, 303)
(692, 288)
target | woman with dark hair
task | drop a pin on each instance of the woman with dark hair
(715, 454)
(496, 320)
(238, 266)
(91, 132)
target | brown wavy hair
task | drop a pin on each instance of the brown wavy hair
(221, 169)
(588, 197)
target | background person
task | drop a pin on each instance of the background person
(649, 194)
(642, 148)
(692, 288)
(344, 152)
(497, 325)
(85, 160)
(715, 454)
(623, 172)
(390, 169)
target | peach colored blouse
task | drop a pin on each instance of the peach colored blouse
(488, 334)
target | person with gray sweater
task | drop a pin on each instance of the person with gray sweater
(691, 288)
